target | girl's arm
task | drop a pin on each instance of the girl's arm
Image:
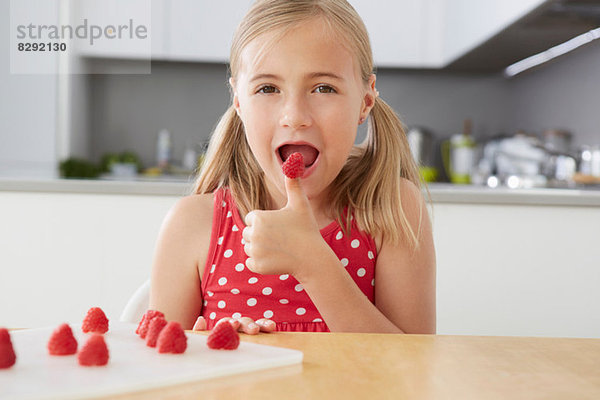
(288, 241)
(179, 259)
(404, 283)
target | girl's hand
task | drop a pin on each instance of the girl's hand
(244, 324)
(283, 241)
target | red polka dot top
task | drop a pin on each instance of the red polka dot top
(229, 289)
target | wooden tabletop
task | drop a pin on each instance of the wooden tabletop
(380, 366)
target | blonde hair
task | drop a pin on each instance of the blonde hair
(369, 183)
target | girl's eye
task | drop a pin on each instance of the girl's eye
(325, 89)
(267, 89)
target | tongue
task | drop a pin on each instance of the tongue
(308, 152)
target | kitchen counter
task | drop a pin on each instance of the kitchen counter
(388, 366)
(440, 192)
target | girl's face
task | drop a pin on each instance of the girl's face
(303, 94)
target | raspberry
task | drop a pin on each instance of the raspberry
(223, 336)
(171, 339)
(293, 167)
(62, 342)
(7, 353)
(144, 324)
(154, 329)
(95, 321)
(93, 352)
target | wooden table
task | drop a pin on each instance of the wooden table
(379, 366)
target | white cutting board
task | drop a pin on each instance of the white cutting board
(132, 365)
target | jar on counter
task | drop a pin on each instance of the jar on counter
(163, 149)
(589, 163)
(557, 140)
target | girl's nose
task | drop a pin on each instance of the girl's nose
(295, 113)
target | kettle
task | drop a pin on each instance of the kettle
(420, 142)
(458, 154)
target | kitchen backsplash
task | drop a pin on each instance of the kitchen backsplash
(128, 111)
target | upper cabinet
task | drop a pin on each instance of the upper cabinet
(404, 33)
(466, 24)
(133, 29)
(433, 33)
(202, 30)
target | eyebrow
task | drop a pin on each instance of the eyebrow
(311, 75)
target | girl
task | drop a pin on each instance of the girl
(346, 247)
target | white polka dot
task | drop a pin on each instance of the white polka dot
(267, 291)
(361, 272)
(212, 315)
(236, 315)
(239, 267)
(373, 282)
(228, 253)
(209, 293)
(235, 228)
(243, 241)
(212, 269)
(251, 302)
(222, 281)
(220, 241)
(370, 255)
(205, 303)
(300, 311)
(298, 288)
(284, 301)
(284, 277)
(339, 235)
(253, 280)
(221, 304)
(224, 204)
(268, 314)
(344, 262)
(317, 320)
(355, 243)
(235, 291)
(228, 214)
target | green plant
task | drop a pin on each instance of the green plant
(78, 168)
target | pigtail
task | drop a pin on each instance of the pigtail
(370, 181)
(229, 162)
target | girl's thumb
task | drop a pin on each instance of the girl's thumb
(296, 198)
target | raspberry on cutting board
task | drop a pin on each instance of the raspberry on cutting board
(172, 339)
(95, 321)
(144, 324)
(156, 326)
(94, 352)
(62, 342)
(293, 167)
(223, 336)
(7, 353)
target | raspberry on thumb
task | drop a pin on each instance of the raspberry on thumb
(293, 167)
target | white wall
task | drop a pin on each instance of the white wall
(27, 110)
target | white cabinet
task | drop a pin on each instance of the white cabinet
(63, 253)
(404, 34)
(134, 29)
(468, 23)
(398, 31)
(202, 30)
(517, 270)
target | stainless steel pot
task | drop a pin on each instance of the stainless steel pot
(421, 145)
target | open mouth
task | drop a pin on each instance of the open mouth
(309, 153)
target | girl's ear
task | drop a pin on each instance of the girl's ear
(369, 98)
(236, 102)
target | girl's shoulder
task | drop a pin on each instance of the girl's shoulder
(193, 214)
